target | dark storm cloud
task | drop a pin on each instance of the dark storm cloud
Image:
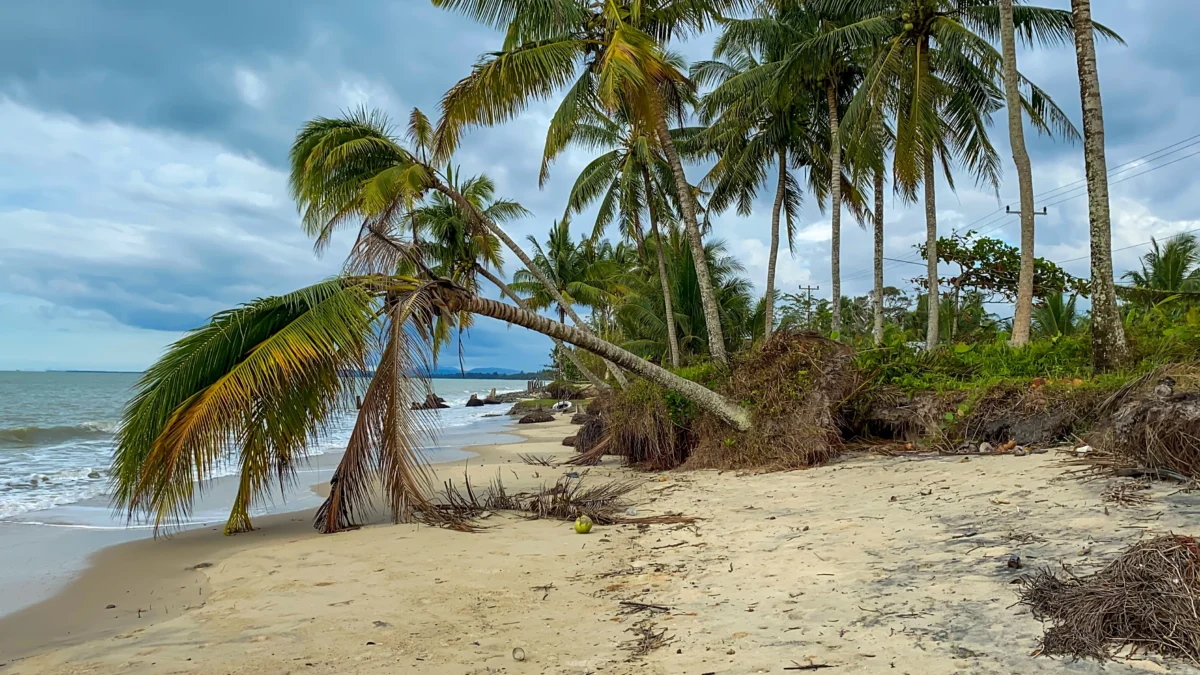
(142, 169)
(171, 65)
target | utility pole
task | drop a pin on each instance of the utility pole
(808, 304)
(1008, 210)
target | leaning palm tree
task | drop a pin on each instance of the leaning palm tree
(611, 54)
(630, 177)
(352, 170)
(257, 385)
(1109, 348)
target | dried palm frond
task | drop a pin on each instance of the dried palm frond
(1146, 598)
(536, 460)
(567, 499)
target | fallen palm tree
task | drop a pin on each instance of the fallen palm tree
(258, 384)
(795, 386)
(1145, 599)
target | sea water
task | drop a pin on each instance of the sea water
(56, 434)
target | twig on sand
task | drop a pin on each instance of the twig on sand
(648, 639)
(811, 666)
(676, 544)
(634, 607)
(537, 460)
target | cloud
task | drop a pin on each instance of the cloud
(143, 164)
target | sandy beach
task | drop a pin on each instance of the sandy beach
(869, 565)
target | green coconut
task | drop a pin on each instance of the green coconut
(583, 525)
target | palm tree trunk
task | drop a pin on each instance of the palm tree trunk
(780, 193)
(954, 311)
(1109, 349)
(835, 247)
(878, 332)
(571, 355)
(672, 338)
(687, 205)
(1023, 314)
(933, 296)
(638, 238)
(708, 400)
(239, 516)
(465, 204)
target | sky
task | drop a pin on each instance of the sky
(143, 182)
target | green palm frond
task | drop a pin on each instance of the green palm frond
(231, 376)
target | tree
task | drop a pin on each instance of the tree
(1172, 267)
(991, 267)
(755, 122)
(1023, 310)
(628, 179)
(577, 279)
(351, 169)
(258, 383)
(1109, 348)
(451, 247)
(619, 45)
(939, 76)
(1056, 316)
(640, 313)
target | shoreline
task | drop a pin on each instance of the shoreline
(161, 577)
(867, 564)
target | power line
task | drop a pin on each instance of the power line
(1125, 248)
(1163, 152)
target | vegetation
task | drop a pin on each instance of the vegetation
(828, 100)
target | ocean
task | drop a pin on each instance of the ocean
(56, 434)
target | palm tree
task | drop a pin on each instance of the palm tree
(451, 248)
(619, 44)
(1173, 267)
(1109, 348)
(640, 313)
(755, 122)
(578, 277)
(257, 384)
(631, 176)
(1023, 311)
(935, 56)
(1056, 316)
(351, 169)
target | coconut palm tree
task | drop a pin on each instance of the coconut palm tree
(754, 123)
(640, 313)
(936, 54)
(629, 178)
(588, 280)
(1109, 348)
(258, 384)
(1056, 316)
(450, 247)
(352, 169)
(1174, 266)
(609, 54)
(1023, 310)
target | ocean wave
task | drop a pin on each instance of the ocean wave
(34, 435)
